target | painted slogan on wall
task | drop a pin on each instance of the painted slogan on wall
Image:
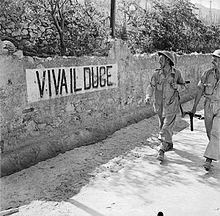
(47, 83)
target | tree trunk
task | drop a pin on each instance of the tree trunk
(62, 45)
(60, 29)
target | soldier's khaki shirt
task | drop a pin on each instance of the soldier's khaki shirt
(166, 99)
(210, 82)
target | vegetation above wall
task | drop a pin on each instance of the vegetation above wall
(75, 28)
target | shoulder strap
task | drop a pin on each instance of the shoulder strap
(175, 70)
(206, 74)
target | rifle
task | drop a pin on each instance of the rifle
(183, 114)
(191, 117)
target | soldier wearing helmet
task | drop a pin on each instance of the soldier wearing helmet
(164, 85)
(209, 87)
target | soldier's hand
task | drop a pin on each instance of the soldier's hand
(181, 88)
(174, 85)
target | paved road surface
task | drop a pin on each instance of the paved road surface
(136, 184)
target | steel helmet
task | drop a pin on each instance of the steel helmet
(170, 55)
(216, 53)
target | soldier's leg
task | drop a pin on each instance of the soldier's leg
(208, 116)
(167, 133)
(161, 121)
(213, 148)
(212, 123)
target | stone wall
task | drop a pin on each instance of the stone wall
(32, 132)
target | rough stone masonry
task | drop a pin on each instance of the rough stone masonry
(52, 105)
